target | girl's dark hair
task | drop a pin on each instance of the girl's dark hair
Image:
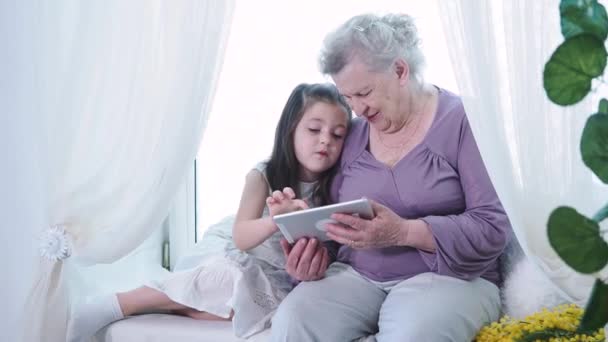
(282, 169)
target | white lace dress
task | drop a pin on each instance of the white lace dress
(252, 283)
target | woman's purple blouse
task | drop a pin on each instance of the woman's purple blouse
(442, 181)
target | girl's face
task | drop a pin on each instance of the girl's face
(318, 139)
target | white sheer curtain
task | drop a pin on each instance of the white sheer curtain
(117, 94)
(530, 145)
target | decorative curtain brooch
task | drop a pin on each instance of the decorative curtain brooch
(55, 244)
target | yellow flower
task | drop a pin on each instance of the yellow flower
(558, 324)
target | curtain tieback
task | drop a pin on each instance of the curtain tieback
(55, 243)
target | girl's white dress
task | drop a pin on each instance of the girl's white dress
(252, 283)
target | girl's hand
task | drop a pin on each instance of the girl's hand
(386, 229)
(281, 202)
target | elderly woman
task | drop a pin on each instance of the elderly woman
(426, 267)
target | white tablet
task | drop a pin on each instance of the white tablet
(311, 222)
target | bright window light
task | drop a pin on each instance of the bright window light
(266, 57)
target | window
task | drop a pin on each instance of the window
(266, 57)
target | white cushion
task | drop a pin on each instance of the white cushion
(158, 327)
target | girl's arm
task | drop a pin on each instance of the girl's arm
(250, 228)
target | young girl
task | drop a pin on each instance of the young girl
(246, 283)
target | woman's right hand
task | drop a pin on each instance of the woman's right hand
(307, 259)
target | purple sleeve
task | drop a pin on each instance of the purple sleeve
(469, 244)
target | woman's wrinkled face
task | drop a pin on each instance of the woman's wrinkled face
(374, 95)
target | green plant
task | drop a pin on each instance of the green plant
(559, 323)
(568, 77)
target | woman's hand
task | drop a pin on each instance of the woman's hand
(384, 230)
(307, 260)
(281, 202)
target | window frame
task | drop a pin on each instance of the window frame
(180, 225)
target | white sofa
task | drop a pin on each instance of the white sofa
(161, 328)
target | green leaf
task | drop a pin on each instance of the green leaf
(594, 145)
(586, 16)
(603, 107)
(577, 240)
(568, 73)
(596, 312)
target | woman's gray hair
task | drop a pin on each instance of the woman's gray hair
(379, 40)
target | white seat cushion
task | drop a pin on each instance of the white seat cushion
(158, 327)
